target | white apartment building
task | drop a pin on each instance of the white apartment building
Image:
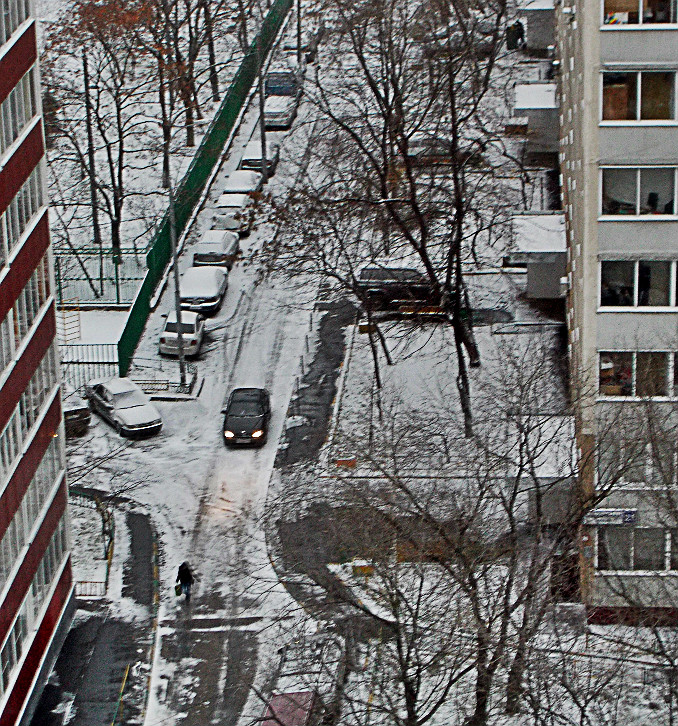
(619, 164)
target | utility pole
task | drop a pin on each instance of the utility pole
(262, 101)
(177, 295)
(299, 36)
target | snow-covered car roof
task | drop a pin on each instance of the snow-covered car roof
(197, 281)
(213, 237)
(253, 148)
(243, 180)
(231, 200)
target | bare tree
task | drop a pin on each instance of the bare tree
(403, 155)
(457, 537)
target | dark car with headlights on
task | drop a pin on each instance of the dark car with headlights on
(247, 414)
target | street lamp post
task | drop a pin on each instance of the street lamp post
(299, 35)
(262, 101)
(177, 294)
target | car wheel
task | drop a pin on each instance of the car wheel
(118, 428)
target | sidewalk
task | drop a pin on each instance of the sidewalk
(101, 674)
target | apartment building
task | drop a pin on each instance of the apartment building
(618, 62)
(36, 590)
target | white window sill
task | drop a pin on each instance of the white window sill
(637, 573)
(607, 27)
(636, 399)
(638, 217)
(638, 309)
(645, 123)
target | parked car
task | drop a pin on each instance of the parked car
(382, 285)
(77, 415)
(283, 81)
(236, 213)
(125, 406)
(251, 158)
(247, 414)
(280, 112)
(243, 181)
(202, 289)
(217, 247)
(192, 333)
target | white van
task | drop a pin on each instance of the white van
(251, 159)
(235, 212)
(217, 247)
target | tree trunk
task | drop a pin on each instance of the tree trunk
(96, 230)
(211, 54)
(514, 685)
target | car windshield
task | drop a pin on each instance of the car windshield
(188, 328)
(242, 409)
(127, 399)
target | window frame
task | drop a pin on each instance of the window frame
(638, 215)
(671, 364)
(672, 24)
(637, 121)
(670, 547)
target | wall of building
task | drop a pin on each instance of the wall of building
(36, 589)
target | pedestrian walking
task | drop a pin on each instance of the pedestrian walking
(185, 579)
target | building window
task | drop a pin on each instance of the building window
(646, 549)
(637, 191)
(634, 12)
(643, 374)
(16, 111)
(617, 283)
(651, 374)
(12, 14)
(20, 212)
(33, 400)
(641, 283)
(616, 374)
(614, 548)
(639, 96)
(27, 619)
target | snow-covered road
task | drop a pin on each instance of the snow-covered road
(206, 501)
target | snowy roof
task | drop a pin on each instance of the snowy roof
(539, 5)
(535, 96)
(538, 237)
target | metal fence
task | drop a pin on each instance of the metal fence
(81, 362)
(97, 277)
(191, 187)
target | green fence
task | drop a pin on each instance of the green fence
(191, 187)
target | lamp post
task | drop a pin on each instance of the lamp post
(299, 35)
(177, 294)
(262, 101)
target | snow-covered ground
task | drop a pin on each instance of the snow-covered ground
(206, 501)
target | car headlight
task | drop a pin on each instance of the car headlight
(229, 435)
(257, 434)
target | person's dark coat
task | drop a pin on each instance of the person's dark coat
(185, 576)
